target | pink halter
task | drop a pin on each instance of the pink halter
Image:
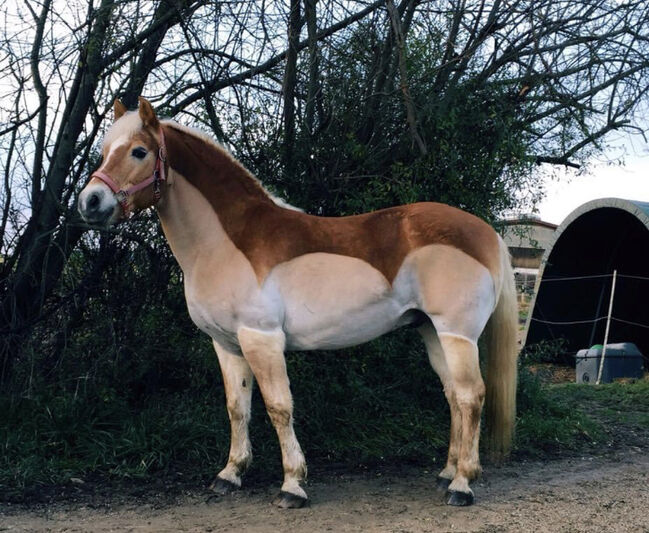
(159, 175)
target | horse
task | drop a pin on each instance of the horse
(262, 278)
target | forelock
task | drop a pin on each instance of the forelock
(127, 126)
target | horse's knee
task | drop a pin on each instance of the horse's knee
(280, 413)
(236, 410)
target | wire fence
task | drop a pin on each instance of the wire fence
(523, 286)
(590, 320)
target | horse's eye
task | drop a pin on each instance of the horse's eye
(139, 152)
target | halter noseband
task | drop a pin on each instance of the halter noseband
(159, 175)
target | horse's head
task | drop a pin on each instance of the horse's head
(132, 172)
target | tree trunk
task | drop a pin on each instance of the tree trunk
(290, 81)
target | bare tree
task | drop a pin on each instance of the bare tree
(565, 74)
(63, 64)
(577, 69)
(37, 248)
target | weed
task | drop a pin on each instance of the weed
(548, 424)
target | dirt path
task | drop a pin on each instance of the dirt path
(609, 493)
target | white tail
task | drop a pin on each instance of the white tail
(502, 356)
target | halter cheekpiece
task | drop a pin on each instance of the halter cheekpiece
(158, 176)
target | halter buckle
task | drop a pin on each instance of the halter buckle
(121, 196)
(156, 184)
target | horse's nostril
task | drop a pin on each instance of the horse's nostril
(93, 201)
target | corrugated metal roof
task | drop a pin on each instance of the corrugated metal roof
(637, 208)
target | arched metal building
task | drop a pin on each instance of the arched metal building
(574, 284)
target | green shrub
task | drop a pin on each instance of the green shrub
(377, 403)
(546, 351)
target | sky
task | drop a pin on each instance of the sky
(602, 179)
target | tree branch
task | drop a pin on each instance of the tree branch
(216, 85)
(407, 99)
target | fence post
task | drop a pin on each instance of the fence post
(608, 325)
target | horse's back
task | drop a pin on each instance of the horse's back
(344, 281)
(424, 223)
(382, 238)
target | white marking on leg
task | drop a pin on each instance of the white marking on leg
(438, 362)
(292, 485)
(460, 484)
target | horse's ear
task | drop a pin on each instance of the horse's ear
(118, 108)
(147, 114)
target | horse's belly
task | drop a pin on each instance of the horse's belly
(332, 301)
(348, 327)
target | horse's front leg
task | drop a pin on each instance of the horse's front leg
(238, 382)
(264, 351)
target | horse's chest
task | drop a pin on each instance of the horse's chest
(214, 320)
(219, 308)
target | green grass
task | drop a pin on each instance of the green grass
(625, 404)
(50, 440)
(549, 423)
(569, 418)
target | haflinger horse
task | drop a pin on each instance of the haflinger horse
(262, 278)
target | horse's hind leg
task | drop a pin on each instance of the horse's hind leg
(468, 391)
(238, 382)
(457, 293)
(438, 362)
(264, 351)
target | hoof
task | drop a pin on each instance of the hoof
(459, 499)
(286, 500)
(442, 484)
(222, 486)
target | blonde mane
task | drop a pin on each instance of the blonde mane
(206, 138)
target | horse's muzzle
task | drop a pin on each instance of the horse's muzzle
(97, 205)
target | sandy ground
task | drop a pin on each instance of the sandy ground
(606, 493)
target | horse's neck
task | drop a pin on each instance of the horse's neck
(222, 180)
(189, 223)
(207, 201)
